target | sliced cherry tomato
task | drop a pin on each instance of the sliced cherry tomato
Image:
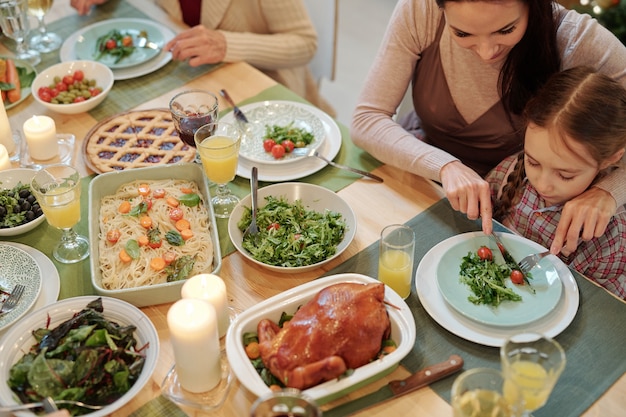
(484, 253)
(158, 193)
(111, 44)
(288, 145)
(113, 235)
(517, 277)
(144, 189)
(273, 226)
(169, 257)
(268, 144)
(176, 214)
(278, 151)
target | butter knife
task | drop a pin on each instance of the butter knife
(236, 110)
(397, 388)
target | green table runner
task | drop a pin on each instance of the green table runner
(594, 341)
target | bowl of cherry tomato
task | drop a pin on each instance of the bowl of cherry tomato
(73, 87)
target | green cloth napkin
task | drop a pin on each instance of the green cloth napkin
(594, 341)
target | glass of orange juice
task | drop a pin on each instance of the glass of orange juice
(483, 392)
(395, 258)
(57, 190)
(534, 363)
(218, 145)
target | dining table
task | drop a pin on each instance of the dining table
(593, 383)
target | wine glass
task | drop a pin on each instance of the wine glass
(192, 109)
(14, 23)
(57, 189)
(42, 41)
(218, 145)
(534, 363)
(484, 392)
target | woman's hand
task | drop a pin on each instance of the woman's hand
(84, 6)
(585, 217)
(199, 45)
(467, 192)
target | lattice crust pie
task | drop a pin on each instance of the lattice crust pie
(135, 139)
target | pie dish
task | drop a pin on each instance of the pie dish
(135, 139)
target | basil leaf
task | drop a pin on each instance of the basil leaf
(189, 200)
(174, 238)
(132, 249)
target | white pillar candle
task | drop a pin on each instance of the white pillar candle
(193, 334)
(6, 135)
(210, 288)
(5, 163)
(41, 137)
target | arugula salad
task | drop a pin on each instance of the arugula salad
(292, 236)
(86, 358)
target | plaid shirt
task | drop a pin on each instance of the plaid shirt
(601, 259)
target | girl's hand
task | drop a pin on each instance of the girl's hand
(467, 192)
(84, 6)
(199, 45)
(585, 217)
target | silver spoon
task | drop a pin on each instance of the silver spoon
(253, 229)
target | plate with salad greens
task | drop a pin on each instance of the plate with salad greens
(275, 128)
(465, 325)
(302, 227)
(95, 324)
(114, 42)
(475, 280)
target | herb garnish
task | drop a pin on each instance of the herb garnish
(486, 280)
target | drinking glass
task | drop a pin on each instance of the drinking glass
(483, 392)
(286, 402)
(218, 145)
(42, 41)
(57, 189)
(395, 258)
(192, 109)
(14, 23)
(533, 362)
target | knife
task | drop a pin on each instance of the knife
(236, 110)
(397, 388)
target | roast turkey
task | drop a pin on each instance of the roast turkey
(341, 328)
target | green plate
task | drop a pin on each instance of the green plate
(545, 280)
(86, 43)
(29, 71)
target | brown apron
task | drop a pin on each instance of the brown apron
(480, 145)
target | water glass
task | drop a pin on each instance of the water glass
(288, 402)
(14, 24)
(395, 258)
(482, 392)
(192, 109)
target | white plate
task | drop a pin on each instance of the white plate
(18, 267)
(25, 90)
(68, 51)
(18, 339)
(436, 306)
(270, 113)
(403, 332)
(50, 286)
(86, 44)
(533, 306)
(294, 169)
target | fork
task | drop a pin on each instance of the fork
(11, 302)
(253, 230)
(530, 261)
(314, 152)
(49, 403)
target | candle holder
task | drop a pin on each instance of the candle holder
(16, 154)
(66, 151)
(205, 401)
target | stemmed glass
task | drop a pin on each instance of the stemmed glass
(57, 189)
(43, 41)
(485, 392)
(218, 145)
(534, 363)
(14, 23)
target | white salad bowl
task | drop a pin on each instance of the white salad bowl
(314, 197)
(9, 179)
(18, 340)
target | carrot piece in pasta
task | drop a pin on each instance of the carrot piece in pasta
(145, 222)
(143, 240)
(157, 264)
(124, 207)
(186, 234)
(124, 256)
(172, 202)
(144, 189)
(182, 224)
(186, 190)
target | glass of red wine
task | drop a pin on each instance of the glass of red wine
(191, 110)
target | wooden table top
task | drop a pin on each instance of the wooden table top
(401, 197)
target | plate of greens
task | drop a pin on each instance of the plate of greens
(482, 290)
(287, 124)
(26, 73)
(111, 336)
(302, 227)
(114, 42)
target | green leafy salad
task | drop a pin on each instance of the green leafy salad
(292, 236)
(86, 358)
(486, 279)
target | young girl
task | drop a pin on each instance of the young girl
(575, 134)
